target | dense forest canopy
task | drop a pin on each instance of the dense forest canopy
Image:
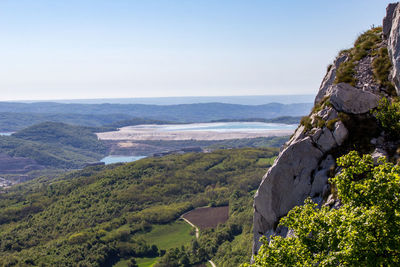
(55, 145)
(90, 217)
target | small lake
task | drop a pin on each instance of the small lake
(120, 159)
(5, 134)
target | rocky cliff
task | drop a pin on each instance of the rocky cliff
(342, 120)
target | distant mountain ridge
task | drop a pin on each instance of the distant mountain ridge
(178, 113)
(176, 100)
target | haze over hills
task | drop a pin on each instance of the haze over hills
(178, 113)
(210, 181)
(242, 100)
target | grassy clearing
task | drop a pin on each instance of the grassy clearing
(146, 262)
(267, 162)
(168, 236)
(141, 262)
(121, 263)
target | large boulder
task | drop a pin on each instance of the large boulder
(286, 184)
(349, 99)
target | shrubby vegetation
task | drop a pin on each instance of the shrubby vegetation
(388, 115)
(366, 44)
(63, 134)
(381, 68)
(364, 231)
(55, 145)
(15, 121)
(227, 245)
(317, 121)
(91, 217)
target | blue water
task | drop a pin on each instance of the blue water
(6, 134)
(119, 159)
(228, 127)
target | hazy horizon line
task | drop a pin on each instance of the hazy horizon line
(155, 97)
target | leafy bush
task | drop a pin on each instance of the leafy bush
(388, 115)
(362, 232)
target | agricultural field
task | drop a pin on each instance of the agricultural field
(168, 236)
(208, 217)
(164, 236)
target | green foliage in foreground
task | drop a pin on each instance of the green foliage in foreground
(388, 115)
(92, 217)
(364, 231)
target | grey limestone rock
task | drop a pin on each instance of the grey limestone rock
(286, 184)
(394, 44)
(340, 133)
(298, 135)
(349, 99)
(329, 78)
(324, 139)
(387, 20)
(328, 114)
(378, 153)
(321, 177)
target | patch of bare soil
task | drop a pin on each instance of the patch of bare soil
(208, 217)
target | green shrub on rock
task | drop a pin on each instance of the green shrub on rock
(364, 231)
(388, 115)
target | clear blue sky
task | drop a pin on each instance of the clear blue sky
(152, 48)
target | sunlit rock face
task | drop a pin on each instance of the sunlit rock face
(342, 114)
(391, 28)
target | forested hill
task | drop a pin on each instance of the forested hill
(54, 145)
(63, 134)
(93, 217)
(178, 113)
(12, 122)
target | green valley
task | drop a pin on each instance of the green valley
(104, 214)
